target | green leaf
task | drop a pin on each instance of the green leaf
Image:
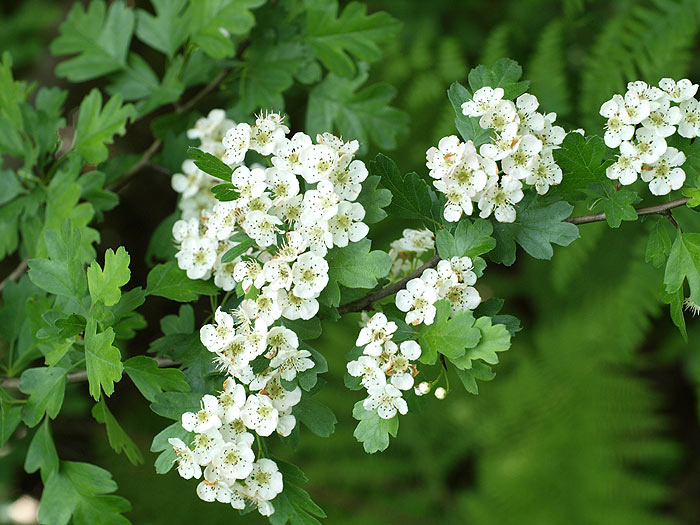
(173, 404)
(209, 17)
(294, 505)
(167, 457)
(239, 249)
(410, 194)
(308, 378)
(694, 194)
(98, 125)
(355, 266)
(167, 280)
(684, 263)
(494, 338)
(363, 114)
(538, 225)
(659, 242)
(372, 431)
(318, 418)
(100, 36)
(469, 238)
(152, 380)
(224, 192)
(167, 30)
(582, 161)
(618, 207)
(105, 285)
(62, 273)
(102, 360)
(334, 38)
(374, 199)
(468, 127)
(675, 300)
(306, 330)
(10, 417)
(41, 454)
(447, 336)
(210, 164)
(10, 186)
(70, 325)
(82, 491)
(46, 388)
(118, 439)
(469, 376)
(505, 74)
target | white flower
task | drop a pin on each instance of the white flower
(337, 143)
(258, 414)
(448, 153)
(318, 236)
(215, 490)
(319, 204)
(458, 200)
(663, 119)
(223, 276)
(262, 227)
(235, 460)
(206, 419)
(206, 446)
(544, 172)
(231, 401)
(282, 338)
(265, 480)
(446, 277)
(462, 297)
(636, 109)
(310, 276)
(530, 119)
(646, 92)
(278, 273)
(367, 368)
(347, 178)
(628, 165)
(617, 128)
(197, 257)
(463, 266)
(649, 145)
(317, 162)
(237, 142)
(265, 306)
(294, 307)
(417, 299)
(484, 100)
(187, 466)
(689, 125)
(376, 332)
(500, 198)
(665, 175)
(291, 361)
(346, 225)
(519, 164)
(467, 174)
(222, 221)
(386, 400)
(191, 181)
(551, 136)
(282, 184)
(678, 91)
(248, 273)
(267, 133)
(249, 183)
(289, 209)
(400, 368)
(215, 336)
(502, 145)
(293, 247)
(288, 153)
(501, 117)
(184, 229)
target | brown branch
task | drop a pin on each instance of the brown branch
(16, 274)
(365, 302)
(78, 377)
(659, 209)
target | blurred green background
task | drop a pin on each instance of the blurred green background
(593, 415)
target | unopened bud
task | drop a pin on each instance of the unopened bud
(424, 387)
(440, 392)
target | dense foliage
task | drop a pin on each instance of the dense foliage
(213, 250)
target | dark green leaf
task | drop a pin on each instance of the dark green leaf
(316, 417)
(447, 336)
(118, 439)
(167, 280)
(372, 431)
(152, 380)
(102, 360)
(210, 164)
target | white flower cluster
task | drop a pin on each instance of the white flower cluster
(639, 124)
(282, 272)
(406, 251)
(193, 184)
(452, 280)
(386, 368)
(223, 446)
(271, 205)
(522, 141)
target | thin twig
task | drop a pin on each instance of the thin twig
(15, 274)
(364, 303)
(78, 377)
(659, 209)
